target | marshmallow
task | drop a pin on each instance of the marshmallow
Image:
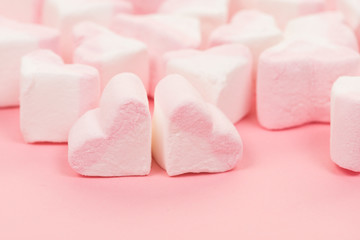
(16, 40)
(161, 34)
(110, 53)
(211, 14)
(222, 75)
(54, 95)
(190, 135)
(115, 139)
(146, 6)
(345, 114)
(24, 11)
(64, 14)
(351, 10)
(325, 27)
(254, 29)
(295, 79)
(285, 10)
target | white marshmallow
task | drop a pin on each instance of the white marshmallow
(115, 139)
(323, 27)
(64, 14)
(110, 53)
(345, 131)
(222, 75)
(190, 135)
(54, 96)
(16, 40)
(295, 79)
(161, 34)
(351, 10)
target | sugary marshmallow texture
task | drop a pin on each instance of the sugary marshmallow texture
(16, 40)
(351, 11)
(24, 11)
(345, 128)
(190, 135)
(161, 34)
(211, 14)
(64, 14)
(295, 79)
(222, 75)
(285, 10)
(114, 139)
(54, 95)
(254, 29)
(110, 53)
(328, 27)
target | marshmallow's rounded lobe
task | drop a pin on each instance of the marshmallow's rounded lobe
(295, 79)
(115, 139)
(53, 96)
(211, 14)
(190, 135)
(328, 27)
(16, 40)
(345, 131)
(24, 11)
(351, 11)
(222, 75)
(254, 29)
(110, 53)
(65, 14)
(161, 33)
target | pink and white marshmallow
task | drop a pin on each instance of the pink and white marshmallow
(222, 75)
(211, 14)
(24, 11)
(190, 135)
(16, 40)
(345, 115)
(161, 34)
(295, 79)
(252, 28)
(114, 139)
(64, 14)
(54, 95)
(322, 27)
(110, 53)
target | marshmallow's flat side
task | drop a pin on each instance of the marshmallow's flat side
(110, 53)
(252, 28)
(322, 27)
(115, 139)
(345, 131)
(222, 75)
(295, 79)
(53, 96)
(190, 135)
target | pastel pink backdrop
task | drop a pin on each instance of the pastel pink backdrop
(286, 187)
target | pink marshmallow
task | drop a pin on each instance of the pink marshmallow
(146, 6)
(16, 40)
(115, 139)
(222, 75)
(285, 10)
(190, 135)
(252, 28)
(54, 95)
(161, 34)
(110, 53)
(22, 10)
(64, 14)
(295, 80)
(211, 14)
(324, 27)
(351, 10)
(345, 115)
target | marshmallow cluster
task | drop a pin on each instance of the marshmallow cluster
(82, 72)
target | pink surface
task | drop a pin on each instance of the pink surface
(286, 187)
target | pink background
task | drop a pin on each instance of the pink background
(286, 187)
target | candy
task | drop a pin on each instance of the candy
(190, 135)
(114, 139)
(54, 96)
